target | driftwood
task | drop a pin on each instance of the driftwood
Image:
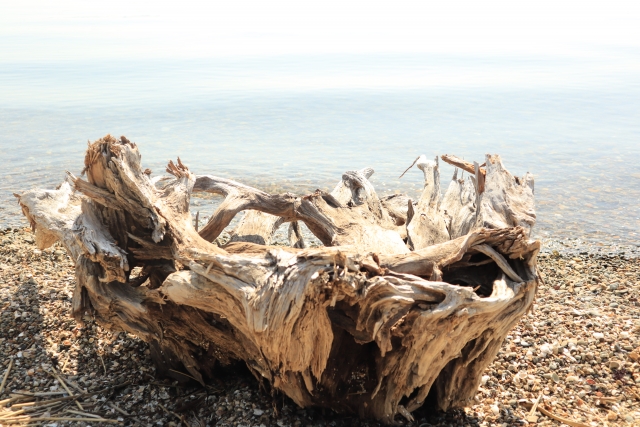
(405, 300)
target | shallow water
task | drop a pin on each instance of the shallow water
(297, 123)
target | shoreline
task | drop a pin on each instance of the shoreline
(577, 347)
(566, 246)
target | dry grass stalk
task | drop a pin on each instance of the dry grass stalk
(6, 376)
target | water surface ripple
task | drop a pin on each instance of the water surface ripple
(297, 124)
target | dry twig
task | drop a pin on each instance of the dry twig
(64, 385)
(6, 375)
(567, 421)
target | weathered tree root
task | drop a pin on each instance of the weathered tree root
(404, 299)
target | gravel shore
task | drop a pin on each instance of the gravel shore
(578, 352)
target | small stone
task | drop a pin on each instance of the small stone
(598, 336)
(495, 410)
(484, 379)
(573, 379)
(614, 364)
(555, 377)
(612, 416)
(258, 412)
(545, 349)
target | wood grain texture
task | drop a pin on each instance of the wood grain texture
(365, 324)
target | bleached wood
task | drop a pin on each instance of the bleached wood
(365, 225)
(353, 189)
(462, 164)
(256, 227)
(296, 239)
(507, 200)
(428, 225)
(345, 191)
(500, 261)
(365, 326)
(459, 206)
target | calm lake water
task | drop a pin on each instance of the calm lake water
(296, 123)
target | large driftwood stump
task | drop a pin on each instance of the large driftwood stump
(404, 299)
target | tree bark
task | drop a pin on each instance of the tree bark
(365, 324)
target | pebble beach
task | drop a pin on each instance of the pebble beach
(288, 98)
(575, 357)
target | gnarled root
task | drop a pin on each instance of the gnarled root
(366, 324)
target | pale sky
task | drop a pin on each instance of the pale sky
(71, 29)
